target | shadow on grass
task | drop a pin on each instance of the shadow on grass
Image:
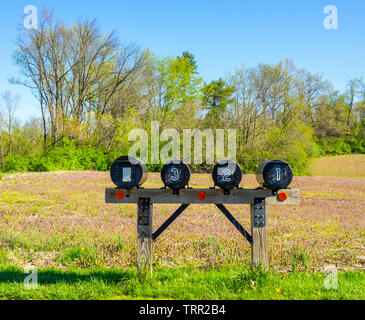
(54, 276)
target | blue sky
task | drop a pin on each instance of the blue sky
(222, 34)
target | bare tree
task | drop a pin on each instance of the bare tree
(353, 90)
(2, 122)
(10, 102)
(75, 72)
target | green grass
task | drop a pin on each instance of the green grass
(186, 283)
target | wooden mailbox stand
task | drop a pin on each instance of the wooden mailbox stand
(257, 198)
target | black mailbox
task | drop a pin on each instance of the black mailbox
(128, 173)
(175, 174)
(274, 174)
(227, 174)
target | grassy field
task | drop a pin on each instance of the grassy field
(85, 249)
(348, 166)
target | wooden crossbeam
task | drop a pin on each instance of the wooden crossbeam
(214, 196)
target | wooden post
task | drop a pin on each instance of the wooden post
(144, 237)
(259, 232)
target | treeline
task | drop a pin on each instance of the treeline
(92, 90)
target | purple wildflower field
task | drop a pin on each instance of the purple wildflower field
(60, 219)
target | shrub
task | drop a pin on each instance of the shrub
(356, 144)
(334, 146)
(16, 163)
(67, 156)
(41, 164)
(91, 158)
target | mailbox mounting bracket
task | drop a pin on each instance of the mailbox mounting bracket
(259, 209)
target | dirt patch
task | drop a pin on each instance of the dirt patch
(37, 259)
